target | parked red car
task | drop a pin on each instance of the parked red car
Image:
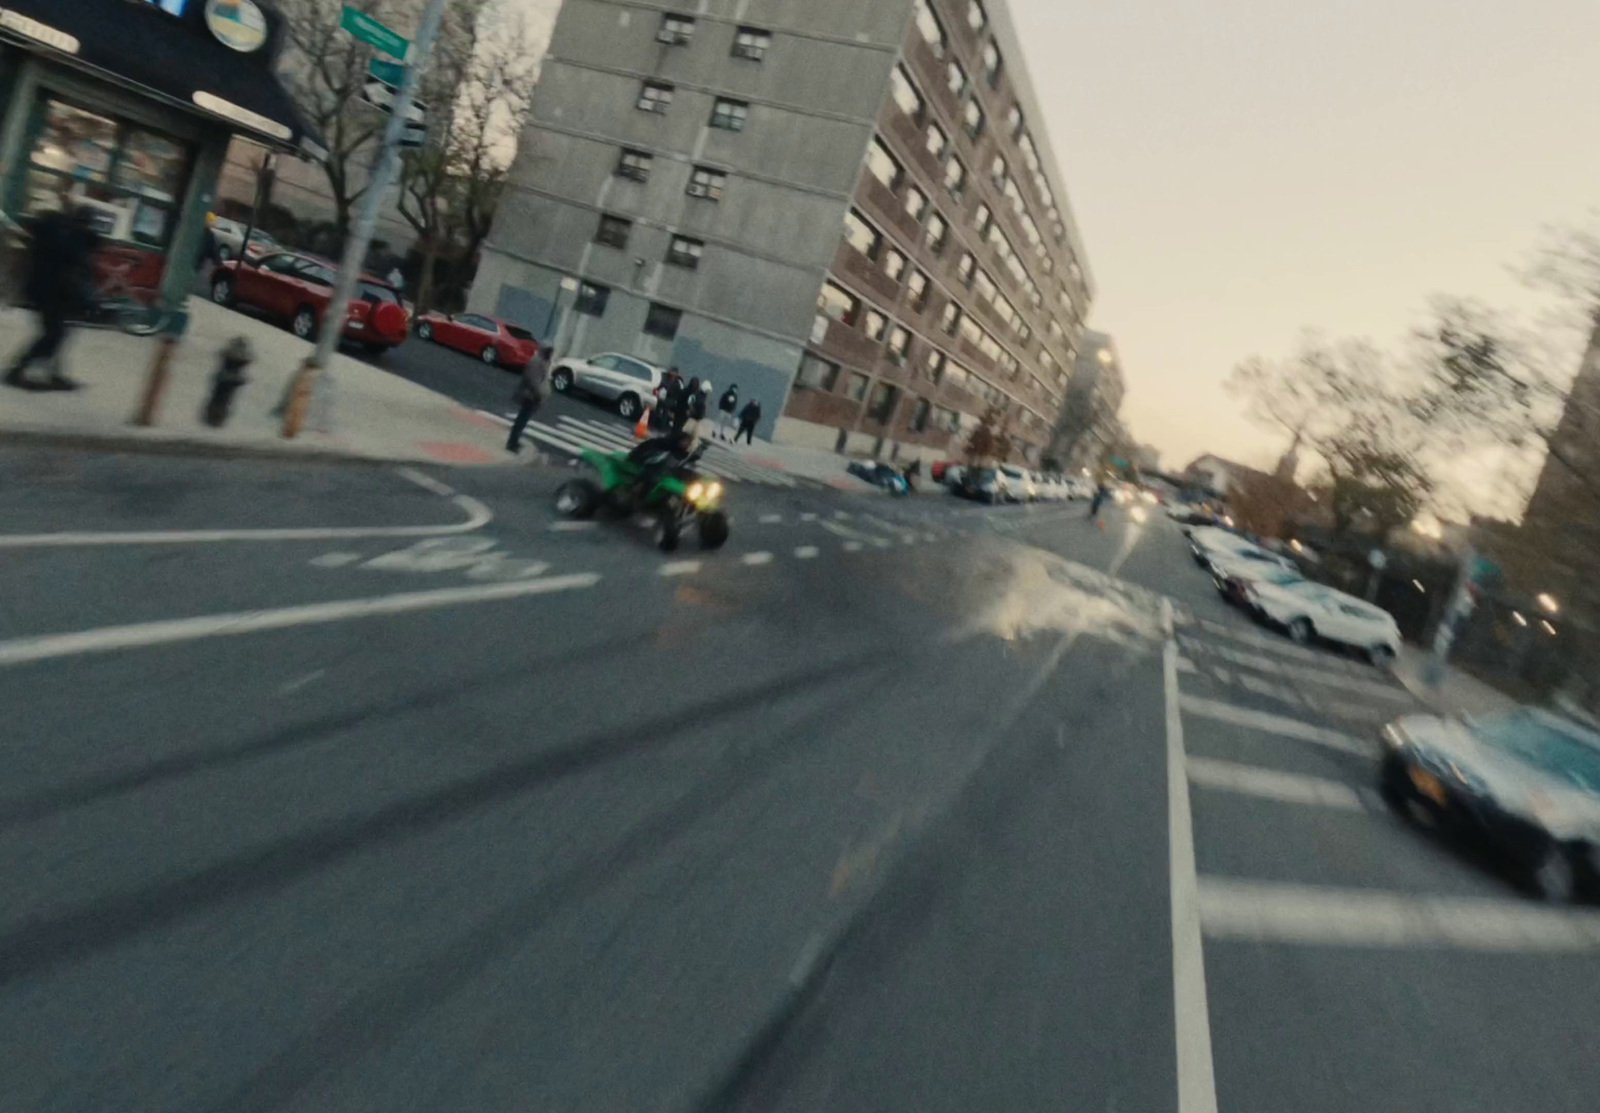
(490, 339)
(297, 289)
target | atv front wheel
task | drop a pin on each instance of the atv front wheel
(667, 532)
(577, 499)
(713, 529)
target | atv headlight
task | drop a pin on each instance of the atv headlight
(696, 491)
(714, 492)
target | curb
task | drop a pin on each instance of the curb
(221, 450)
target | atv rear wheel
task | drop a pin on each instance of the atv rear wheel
(713, 529)
(577, 499)
(667, 531)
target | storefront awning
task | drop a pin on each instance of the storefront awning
(178, 51)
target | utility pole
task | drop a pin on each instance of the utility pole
(384, 169)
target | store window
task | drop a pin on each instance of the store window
(129, 178)
(816, 373)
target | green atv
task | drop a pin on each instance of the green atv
(679, 496)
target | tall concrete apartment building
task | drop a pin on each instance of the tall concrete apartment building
(847, 207)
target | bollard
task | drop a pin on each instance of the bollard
(156, 384)
(294, 414)
(225, 383)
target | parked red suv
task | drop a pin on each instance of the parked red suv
(297, 288)
(490, 339)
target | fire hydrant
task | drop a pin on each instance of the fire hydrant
(230, 376)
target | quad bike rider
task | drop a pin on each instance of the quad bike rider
(657, 477)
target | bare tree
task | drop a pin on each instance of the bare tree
(324, 70)
(479, 88)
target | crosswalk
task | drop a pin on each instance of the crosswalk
(572, 435)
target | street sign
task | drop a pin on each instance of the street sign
(382, 97)
(414, 135)
(390, 73)
(369, 30)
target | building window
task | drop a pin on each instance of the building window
(816, 373)
(856, 388)
(938, 232)
(955, 176)
(685, 252)
(873, 323)
(919, 415)
(676, 30)
(894, 264)
(838, 303)
(966, 268)
(905, 94)
(882, 165)
(613, 231)
(917, 291)
(938, 142)
(950, 319)
(1014, 120)
(592, 299)
(706, 183)
(986, 286)
(928, 25)
(991, 63)
(884, 399)
(972, 119)
(729, 115)
(654, 96)
(899, 344)
(998, 173)
(955, 77)
(634, 164)
(950, 420)
(751, 43)
(982, 220)
(933, 365)
(916, 203)
(861, 235)
(977, 18)
(662, 320)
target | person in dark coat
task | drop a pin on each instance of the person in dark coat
(726, 405)
(748, 417)
(530, 393)
(683, 404)
(60, 283)
(667, 396)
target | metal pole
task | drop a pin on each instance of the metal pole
(265, 176)
(384, 169)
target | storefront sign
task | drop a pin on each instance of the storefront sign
(237, 24)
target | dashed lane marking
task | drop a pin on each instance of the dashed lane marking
(335, 560)
(1270, 784)
(806, 552)
(756, 558)
(770, 519)
(851, 546)
(679, 568)
(572, 527)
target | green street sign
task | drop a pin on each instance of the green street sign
(390, 73)
(369, 30)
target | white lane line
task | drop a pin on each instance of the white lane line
(557, 440)
(842, 515)
(1280, 725)
(426, 482)
(806, 552)
(1340, 680)
(571, 527)
(930, 537)
(882, 542)
(1197, 1087)
(808, 517)
(335, 560)
(1325, 916)
(1270, 784)
(851, 546)
(501, 418)
(680, 568)
(301, 681)
(478, 516)
(770, 519)
(1278, 645)
(1186, 666)
(105, 639)
(756, 558)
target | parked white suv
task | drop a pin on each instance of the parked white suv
(1309, 611)
(624, 381)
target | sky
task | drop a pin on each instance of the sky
(1242, 169)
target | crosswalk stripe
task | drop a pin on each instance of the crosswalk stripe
(1271, 784)
(572, 435)
(1281, 725)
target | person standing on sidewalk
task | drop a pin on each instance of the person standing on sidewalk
(1101, 494)
(747, 422)
(530, 393)
(60, 283)
(725, 407)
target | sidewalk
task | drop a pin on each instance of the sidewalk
(374, 415)
(1456, 694)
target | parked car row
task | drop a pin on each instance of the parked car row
(296, 289)
(1271, 588)
(1008, 484)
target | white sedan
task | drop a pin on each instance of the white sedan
(1309, 611)
(1210, 545)
(626, 382)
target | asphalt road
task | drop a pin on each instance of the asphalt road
(347, 788)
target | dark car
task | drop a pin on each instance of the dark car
(1526, 781)
(879, 475)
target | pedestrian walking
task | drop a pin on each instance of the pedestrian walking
(748, 417)
(210, 252)
(60, 283)
(1101, 494)
(683, 404)
(667, 397)
(726, 405)
(531, 390)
